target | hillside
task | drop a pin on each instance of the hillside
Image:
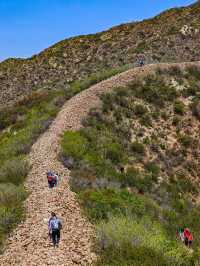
(20, 127)
(135, 165)
(169, 37)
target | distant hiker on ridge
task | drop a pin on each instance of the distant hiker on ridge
(140, 60)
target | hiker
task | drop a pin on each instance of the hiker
(188, 237)
(141, 60)
(50, 179)
(181, 235)
(55, 226)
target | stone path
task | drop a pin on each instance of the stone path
(29, 244)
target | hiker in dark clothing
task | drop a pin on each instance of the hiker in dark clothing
(52, 179)
(55, 226)
(141, 60)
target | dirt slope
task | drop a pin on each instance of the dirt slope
(29, 244)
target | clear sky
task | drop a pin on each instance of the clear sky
(29, 26)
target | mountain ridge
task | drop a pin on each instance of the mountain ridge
(80, 56)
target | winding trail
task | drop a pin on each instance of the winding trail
(29, 245)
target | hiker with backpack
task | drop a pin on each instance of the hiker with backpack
(185, 236)
(141, 60)
(188, 237)
(52, 179)
(55, 227)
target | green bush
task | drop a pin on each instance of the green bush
(194, 71)
(155, 91)
(11, 211)
(6, 118)
(186, 140)
(100, 204)
(179, 108)
(73, 145)
(140, 110)
(14, 171)
(134, 178)
(11, 195)
(124, 240)
(146, 120)
(153, 168)
(138, 148)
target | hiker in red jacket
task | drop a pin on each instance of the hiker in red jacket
(188, 237)
(50, 179)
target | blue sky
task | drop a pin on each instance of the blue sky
(29, 26)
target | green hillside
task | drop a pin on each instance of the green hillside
(135, 168)
(20, 127)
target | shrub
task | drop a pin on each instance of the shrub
(138, 148)
(146, 120)
(142, 242)
(153, 168)
(14, 171)
(11, 195)
(179, 108)
(135, 178)
(6, 118)
(73, 145)
(11, 211)
(115, 153)
(186, 140)
(132, 177)
(142, 46)
(176, 120)
(140, 110)
(194, 71)
(100, 204)
(155, 92)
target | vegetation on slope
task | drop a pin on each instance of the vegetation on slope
(135, 168)
(20, 126)
(171, 36)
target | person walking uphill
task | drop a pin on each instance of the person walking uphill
(55, 227)
(52, 179)
(188, 237)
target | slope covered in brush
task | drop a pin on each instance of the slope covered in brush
(20, 127)
(135, 167)
(170, 36)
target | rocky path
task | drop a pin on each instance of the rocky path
(29, 244)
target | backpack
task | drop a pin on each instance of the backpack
(56, 224)
(188, 234)
(49, 176)
(54, 179)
